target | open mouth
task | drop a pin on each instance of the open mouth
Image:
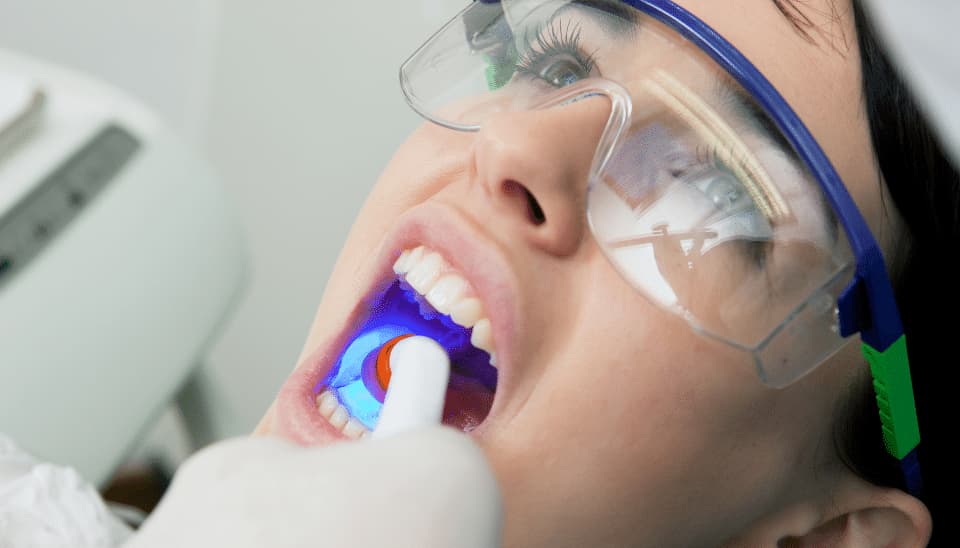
(428, 298)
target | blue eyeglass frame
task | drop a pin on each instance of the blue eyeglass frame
(867, 305)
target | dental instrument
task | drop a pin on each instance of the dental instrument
(418, 377)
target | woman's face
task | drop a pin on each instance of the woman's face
(613, 422)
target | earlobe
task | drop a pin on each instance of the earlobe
(865, 515)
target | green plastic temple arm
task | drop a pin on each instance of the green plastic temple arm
(894, 390)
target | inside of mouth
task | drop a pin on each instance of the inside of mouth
(399, 311)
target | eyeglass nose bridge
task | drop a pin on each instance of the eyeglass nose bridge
(469, 117)
(619, 115)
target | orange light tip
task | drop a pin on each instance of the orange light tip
(383, 360)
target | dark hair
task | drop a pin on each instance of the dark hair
(925, 189)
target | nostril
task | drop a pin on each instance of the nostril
(534, 211)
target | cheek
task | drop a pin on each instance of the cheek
(632, 409)
(430, 159)
(626, 388)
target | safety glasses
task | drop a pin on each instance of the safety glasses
(706, 192)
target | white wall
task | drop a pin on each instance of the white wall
(306, 111)
(161, 52)
(297, 105)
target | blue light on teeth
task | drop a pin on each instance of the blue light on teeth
(362, 405)
(397, 312)
(347, 379)
(350, 367)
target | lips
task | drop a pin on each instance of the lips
(462, 246)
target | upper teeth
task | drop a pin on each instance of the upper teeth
(448, 292)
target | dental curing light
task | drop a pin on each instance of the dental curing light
(383, 361)
(418, 386)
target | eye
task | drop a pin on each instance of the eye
(726, 193)
(562, 72)
(555, 57)
(735, 217)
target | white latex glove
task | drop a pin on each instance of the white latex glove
(430, 488)
(923, 40)
(412, 485)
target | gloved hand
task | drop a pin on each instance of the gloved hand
(429, 488)
(415, 484)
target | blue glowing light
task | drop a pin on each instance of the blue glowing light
(397, 313)
(347, 377)
(361, 403)
(350, 366)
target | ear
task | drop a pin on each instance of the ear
(856, 515)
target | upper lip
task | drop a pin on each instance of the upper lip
(453, 235)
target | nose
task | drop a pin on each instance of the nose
(535, 166)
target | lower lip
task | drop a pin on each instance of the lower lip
(296, 415)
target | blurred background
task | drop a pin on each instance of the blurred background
(295, 104)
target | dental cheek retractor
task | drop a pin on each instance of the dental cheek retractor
(419, 370)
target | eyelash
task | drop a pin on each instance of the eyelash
(553, 41)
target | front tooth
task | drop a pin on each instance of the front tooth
(446, 292)
(413, 259)
(416, 255)
(339, 417)
(422, 275)
(482, 336)
(466, 312)
(493, 360)
(354, 429)
(327, 403)
(402, 266)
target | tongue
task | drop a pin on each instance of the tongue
(468, 403)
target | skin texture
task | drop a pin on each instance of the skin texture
(620, 426)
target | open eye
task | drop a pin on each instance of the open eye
(727, 193)
(555, 57)
(562, 72)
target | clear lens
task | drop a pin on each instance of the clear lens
(695, 196)
(493, 58)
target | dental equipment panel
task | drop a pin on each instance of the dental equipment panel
(119, 258)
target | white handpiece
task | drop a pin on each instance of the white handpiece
(420, 371)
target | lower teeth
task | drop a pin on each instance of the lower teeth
(329, 407)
